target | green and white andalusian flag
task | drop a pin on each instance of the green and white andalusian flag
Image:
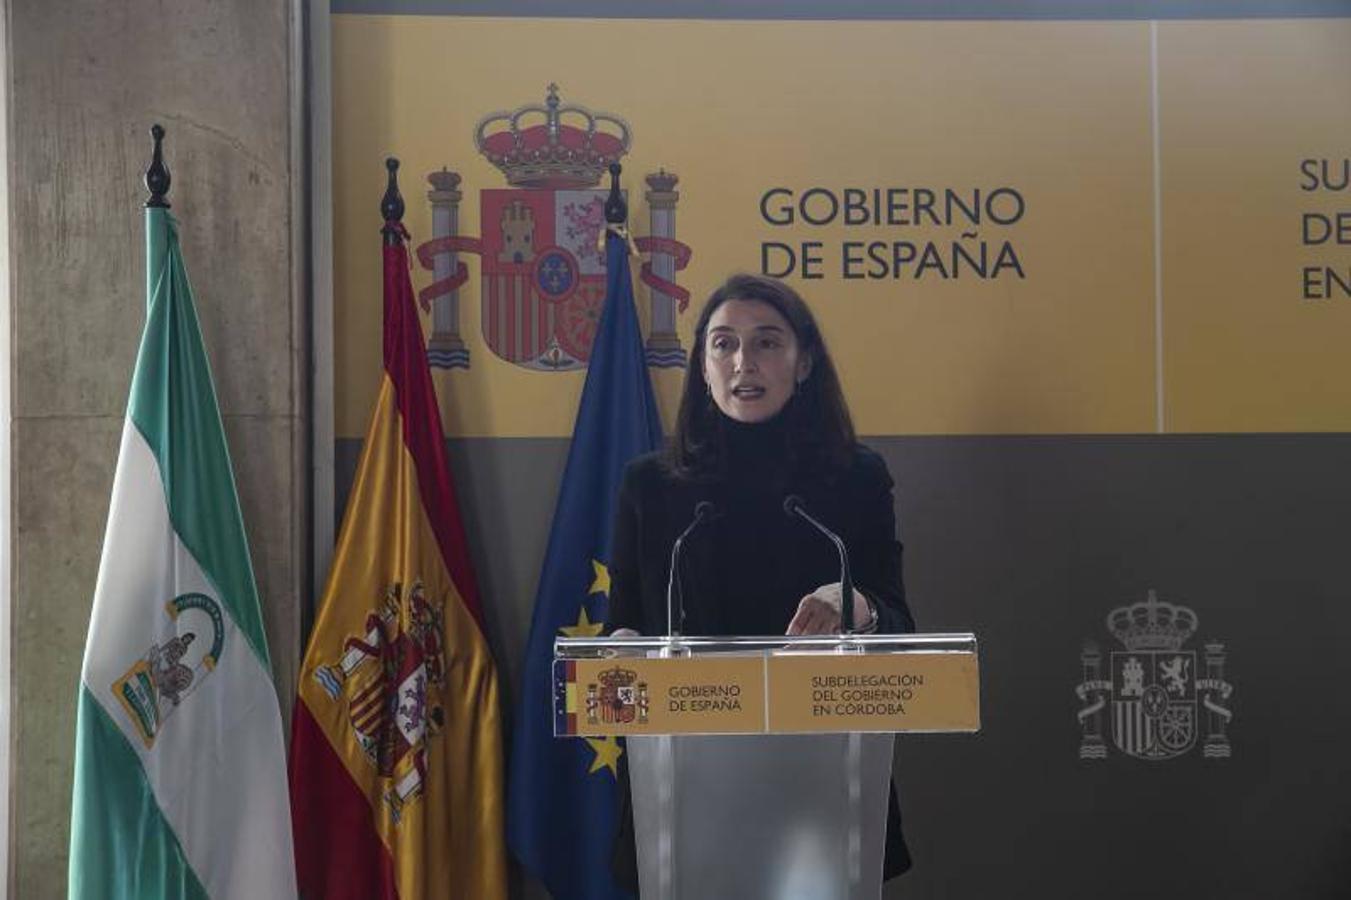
(180, 764)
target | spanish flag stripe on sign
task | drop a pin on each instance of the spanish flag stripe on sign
(401, 797)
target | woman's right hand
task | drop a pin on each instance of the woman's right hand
(624, 632)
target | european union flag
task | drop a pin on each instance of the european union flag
(562, 794)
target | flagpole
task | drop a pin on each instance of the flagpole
(157, 176)
(426, 819)
(563, 805)
(391, 205)
(156, 235)
(179, 784)
(616, 209)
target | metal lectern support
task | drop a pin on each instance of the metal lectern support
(760, 817)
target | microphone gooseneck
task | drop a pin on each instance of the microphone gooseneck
(704, 511)
(793, 506)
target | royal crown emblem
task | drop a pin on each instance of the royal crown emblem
(1152, 625)
(620, 698)
(555, 145)
(390, 678)
(1155, 689)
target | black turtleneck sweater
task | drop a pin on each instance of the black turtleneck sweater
(745, 572)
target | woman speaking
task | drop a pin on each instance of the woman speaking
(761, 418)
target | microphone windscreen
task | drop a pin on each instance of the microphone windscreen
(792, 504)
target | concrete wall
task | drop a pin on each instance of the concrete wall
(86, 79)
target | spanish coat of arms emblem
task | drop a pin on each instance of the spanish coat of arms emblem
(619, 699)
(1158, 694)
(390, 678)
(542, 265)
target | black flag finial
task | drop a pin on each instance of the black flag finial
(616, 210)
(157, 176)
(391, 205)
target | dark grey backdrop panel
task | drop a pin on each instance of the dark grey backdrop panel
(1031, 543)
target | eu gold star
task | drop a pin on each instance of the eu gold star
(584, 627)
(607, 751)
(602, 583)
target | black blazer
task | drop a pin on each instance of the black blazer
(745, 572)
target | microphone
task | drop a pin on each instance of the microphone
(792, 505)
(704, 511)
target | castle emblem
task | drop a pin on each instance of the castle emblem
(159, 682)
(542, 279)
(1159, 699)
(390, 680)
(619, 699)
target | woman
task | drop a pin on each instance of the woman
(761, 417)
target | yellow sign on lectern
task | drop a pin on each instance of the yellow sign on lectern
(647, 686)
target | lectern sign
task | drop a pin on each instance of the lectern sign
(904, 692)
(778, 690)
(722, 695)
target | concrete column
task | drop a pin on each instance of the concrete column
(85, 81)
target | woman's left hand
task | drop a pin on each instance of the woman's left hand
(819, 611)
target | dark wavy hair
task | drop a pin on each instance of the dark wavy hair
(819, 431)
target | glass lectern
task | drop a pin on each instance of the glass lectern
(759, 766)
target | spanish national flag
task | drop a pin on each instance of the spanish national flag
(396, 755)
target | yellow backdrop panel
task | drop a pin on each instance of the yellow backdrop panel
(1248, 107)
(1058, 114)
